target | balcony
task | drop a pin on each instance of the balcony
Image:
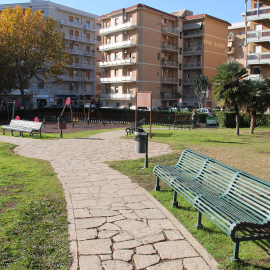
(117, 62)
(169, 96)
(192, 33)
(77, 52)
(169, 47)
(65, 92)
(255, 77)
(77, 78)
(88, 79)
(169, 80)
(170, 30)
(88, 53)
(192, 65)
(190, 97)
(192, 49)
(118, 28)
(69, 23)
(81, 39)
(117, 96)
(169, 64)
(84, 66)
(258, 36)
(231, 50)
(258, 58)
(253, 15)
(124, 79)
(188, 81)
(89, 27)
(118, 45)
(231, 38)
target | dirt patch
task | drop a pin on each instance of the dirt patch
(4, 191)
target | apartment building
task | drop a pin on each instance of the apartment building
(205, 47)
(258, 38)
(79, 80)
(236, 42)
(142, 51)
(145, 49)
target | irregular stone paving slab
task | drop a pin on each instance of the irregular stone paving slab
(195, 264)
(153, 239)
(115, 218)
(90, 263)
(135, 198)
(87, 223)
(116, 265)
(175, 250)
(107, 234)
(164, 224)
(127, 244)
(123, 255)
(150, 214)
(103, 213)
(84, 203)
(122, 237)
(145, 250)
(110, 227)
(86, 234)
(171, 265)
(130, 225)
(82, 213)
(136, 205)
(174, 235)
(105, 257)
(142, 261)
(146, 231)
(95, 247)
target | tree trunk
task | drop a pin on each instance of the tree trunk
(23, 97)
(253, 121)
(237, 119)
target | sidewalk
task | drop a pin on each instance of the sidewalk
(114, 223)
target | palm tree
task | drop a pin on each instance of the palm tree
(259, 99)
(230, 87)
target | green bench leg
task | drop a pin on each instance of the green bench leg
(235, 256)
(174, 202)
(3, 132)
(11, 132)
(199, 221)
(157, 187)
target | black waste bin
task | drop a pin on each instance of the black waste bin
(61, 122)
(140, 142)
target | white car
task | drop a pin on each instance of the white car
(206, 110)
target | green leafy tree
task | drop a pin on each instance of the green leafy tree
(32, 49)
(201, 86)
(259, 99)
(230, 87)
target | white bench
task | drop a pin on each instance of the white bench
(23, 126)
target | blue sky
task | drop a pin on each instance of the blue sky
(228, 10)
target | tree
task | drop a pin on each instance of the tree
(230, 87)
(201, 86)
(259, 100)
(32, 49)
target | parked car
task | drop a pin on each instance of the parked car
(206, 110)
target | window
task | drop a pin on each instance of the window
(107, 89)
(180, 66)
(116, 90)
(107, 41)
(240, 33)
(256, 5)
(130, 91)
(40, 85)
(180, 36)
(158, 22)
(158, 73)
(76, 20)
(116, 38)
(158, 90)
(116, 21)
(98, 75)
(158, 39)
(98, 25)
(98, 86)
(71, 86)
(107, 25)
(180, 82)
(158, 56)
(240, 44)
(70, 18)
(98, 50)
(98, 38)
(116, 56)
(239, 56)
(87, 61)
(116, 72)
(180, 51)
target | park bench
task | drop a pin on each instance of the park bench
(131, 129)
(237, 202)
(183, 124)
(23, 126)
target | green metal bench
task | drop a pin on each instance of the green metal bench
(237, 202)
(23, 126)
(183, 124)
(131, 129)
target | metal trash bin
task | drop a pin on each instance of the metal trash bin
(61, 123)
(140, 142)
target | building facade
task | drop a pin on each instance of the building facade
(79, 78)
(145, 49)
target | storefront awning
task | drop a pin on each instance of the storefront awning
(193, 25)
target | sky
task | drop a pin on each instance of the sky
(228, 10)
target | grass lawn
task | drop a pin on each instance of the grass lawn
(250, 153)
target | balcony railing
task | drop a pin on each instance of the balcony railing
(231, 38)
(88, 79)
(77, 78)
(87, 53)
(117, 45)
(73, 51)
(231, 50)
(169, 64)
(192, 65)
(170, 47)
(189, 97)
(258, 58)
(252, 14)
(169, 80)
(84, 66)
(117, 62)
(255, 77)
(118, 79)
(89, 27)
(169, 96)
(118, 96)
(188, 81)
(117, 28)
(81, 39)
(258, 36)
(65, 92)
(170, 30)
(193, 33)
(192, 49)
(69, 23)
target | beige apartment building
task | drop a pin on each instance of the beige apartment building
(145, 49)
(258, 39)
(79, 80)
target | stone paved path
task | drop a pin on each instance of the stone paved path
(114, 224)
